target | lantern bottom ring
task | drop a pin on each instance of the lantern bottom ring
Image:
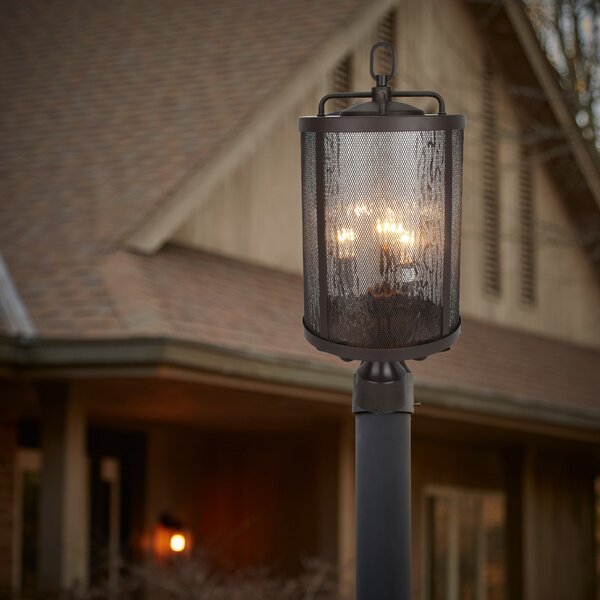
(419, 352)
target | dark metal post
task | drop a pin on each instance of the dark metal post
(383, 404)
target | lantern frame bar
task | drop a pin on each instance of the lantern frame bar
(367, 124)
(448, 198)
(321, 237)
(399, 94)
(346, 352)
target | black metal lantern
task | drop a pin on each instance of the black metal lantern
(381, 193)
(381, 205)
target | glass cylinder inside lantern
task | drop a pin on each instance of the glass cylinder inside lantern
(381, 219)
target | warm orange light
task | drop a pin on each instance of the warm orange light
(177, 542)
(346, 235)
(345, 238)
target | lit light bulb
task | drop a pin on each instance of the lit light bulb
(395, 238)
(345, 238)
(345, 235)
(361, 209)
(177, 542)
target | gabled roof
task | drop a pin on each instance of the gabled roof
(108, 109)
(541, 100)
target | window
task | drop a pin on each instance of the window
(465, 545)
(491, 207)
(526, 226)
(105, 522)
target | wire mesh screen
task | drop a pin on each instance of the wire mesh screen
(383, 215)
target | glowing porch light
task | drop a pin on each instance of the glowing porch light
(177, 542)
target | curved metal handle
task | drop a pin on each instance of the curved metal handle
(392, 50)
(441, 103)
(321, 111)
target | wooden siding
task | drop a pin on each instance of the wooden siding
(558, 528)
(527, 230)
(462, 466)
(249, 500)
(254, 214)
(492, 284)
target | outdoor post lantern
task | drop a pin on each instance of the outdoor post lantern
(381, 206)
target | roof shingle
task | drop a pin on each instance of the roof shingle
(206, 298)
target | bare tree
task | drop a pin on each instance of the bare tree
(570, 33)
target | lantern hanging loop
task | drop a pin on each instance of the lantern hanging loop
(381, 79)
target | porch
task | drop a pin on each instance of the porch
(259, 473)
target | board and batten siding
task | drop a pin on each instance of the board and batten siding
(255, 213)
(558, 522)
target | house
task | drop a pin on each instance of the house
(153, 372)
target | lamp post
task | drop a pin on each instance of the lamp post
(381, 207)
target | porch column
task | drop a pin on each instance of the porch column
(8, 449)
(529, 526)
(346, 506)
(63, 540)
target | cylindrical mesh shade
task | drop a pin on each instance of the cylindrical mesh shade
(381, 219)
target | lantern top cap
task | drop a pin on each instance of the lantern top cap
(381, 95)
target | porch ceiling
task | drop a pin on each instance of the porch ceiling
(196, 404)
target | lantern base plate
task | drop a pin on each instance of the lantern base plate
(349, 353)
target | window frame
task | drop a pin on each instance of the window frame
(454, 494)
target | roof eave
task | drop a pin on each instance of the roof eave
(47, 358)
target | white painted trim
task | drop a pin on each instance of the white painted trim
(164, 221)
(12, 308)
